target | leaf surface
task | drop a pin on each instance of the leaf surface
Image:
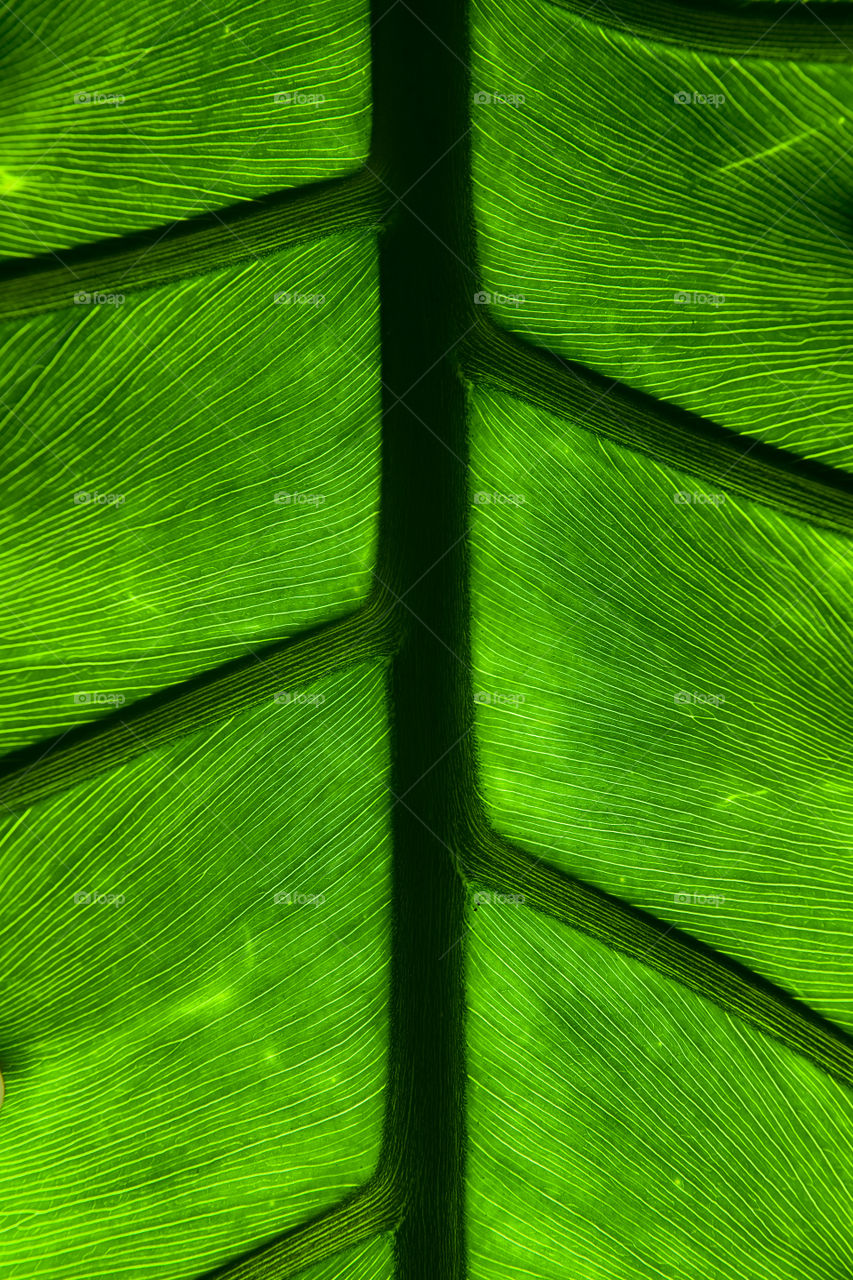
(371, 1261)
(660, 676)
(136, 116)
(194, 1025)
(190, 474)
(624, 1129)
(697, 250)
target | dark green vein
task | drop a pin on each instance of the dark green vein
(36, 772)
(421, 122)
(495, 862)
(816, 32)
(372, 1209)
(745, 467)
(199, 245)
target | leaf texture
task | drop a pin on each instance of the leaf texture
(698, 250)
(194, 1025)
(133, 117)
(371, 1261)
(232, 1039)
(188, 474)
(625, 1129)
(662, 685)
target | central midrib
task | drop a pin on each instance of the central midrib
(421, 97)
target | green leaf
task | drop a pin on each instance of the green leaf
(371, 1261)
(659, 671)
(624, 1129)
(441, 871)
(172, 502)
(195, 1015)
(124, 117)
(697, 250)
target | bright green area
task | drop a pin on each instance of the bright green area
(601, 201)
(373, 1260)
(178, 417)
(665, 693)
(198, 1066)
(122, 117)
(194, 1034)
(625, 1129)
